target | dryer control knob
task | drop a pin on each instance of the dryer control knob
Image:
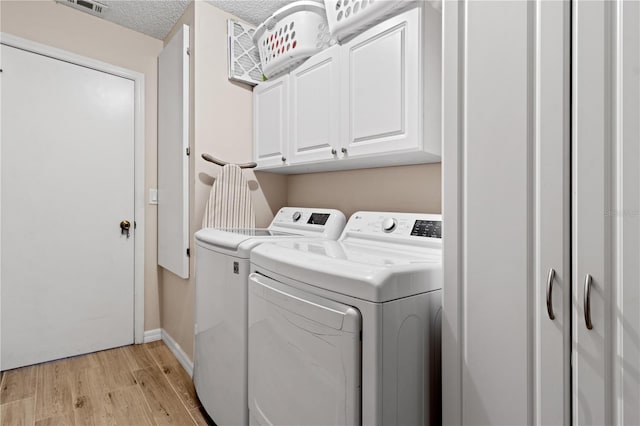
(389, 224)
(297, 216)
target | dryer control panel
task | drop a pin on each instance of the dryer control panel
(390, 226)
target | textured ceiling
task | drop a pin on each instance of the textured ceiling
(156, 17)
(152, 17)
(252, 11)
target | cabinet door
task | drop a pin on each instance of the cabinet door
(606, 217)
(382, 90)
(315, 108)
(506, 213)
(271, 122)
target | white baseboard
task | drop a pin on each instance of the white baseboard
(152, 335)
(182, 357)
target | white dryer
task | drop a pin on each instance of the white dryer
(221, 271)
(348, 332)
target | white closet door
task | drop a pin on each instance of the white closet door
(606, 227)
(173, 160)
(506, 212)
(67, 182)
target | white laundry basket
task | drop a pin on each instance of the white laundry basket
(349, 17)
(290, 36)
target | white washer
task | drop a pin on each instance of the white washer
(221, 269)
(348, 332)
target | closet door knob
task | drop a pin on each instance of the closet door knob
(333, 151)
(550, 278)
(284, 159)
(344, 150)
(587, 302)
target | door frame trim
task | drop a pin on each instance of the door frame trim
(139, 156)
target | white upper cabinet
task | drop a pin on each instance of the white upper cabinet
(271, 122)
(315, 108)
(373, 101)
(382, 96)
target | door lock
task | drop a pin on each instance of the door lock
(125, 226)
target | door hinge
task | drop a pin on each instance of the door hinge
(188, 151)
(134, 224)
(188, 51)
(188, 253)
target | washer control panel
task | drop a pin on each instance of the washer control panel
(326, 222)
(394, 226)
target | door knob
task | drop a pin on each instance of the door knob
(125, 226)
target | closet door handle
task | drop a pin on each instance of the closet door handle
(550, 278)
(587, 302)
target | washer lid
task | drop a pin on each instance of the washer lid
(232, 239)
(373, 272)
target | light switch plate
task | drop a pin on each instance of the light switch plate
(153, 196)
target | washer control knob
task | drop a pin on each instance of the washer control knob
(297, 216)
(389, 224)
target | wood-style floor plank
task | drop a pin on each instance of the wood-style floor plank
(161, 354)
(139, 357)
(114, 369)
(182, 385)
(177, 376)
(87, 386)
(127, 406)
(53, 391)
(17, 413)
(166, 408)
(18, 384)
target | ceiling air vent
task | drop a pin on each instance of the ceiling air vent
(89, 6)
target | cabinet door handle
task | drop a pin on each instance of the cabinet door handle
(284, 159)
(587, 302)
(550, 278)
(333, 151)
(344, 150)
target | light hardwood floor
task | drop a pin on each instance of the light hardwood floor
(131, 385)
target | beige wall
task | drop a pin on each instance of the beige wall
(414, 189)
(221, 126)
(62, 27)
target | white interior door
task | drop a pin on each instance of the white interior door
(606, 202)
(506, 211)
(67, 181)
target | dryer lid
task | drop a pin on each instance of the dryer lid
(373, 272)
